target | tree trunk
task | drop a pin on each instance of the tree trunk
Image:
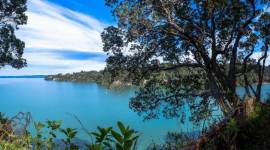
(248, 106)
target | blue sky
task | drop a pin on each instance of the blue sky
(63, 36)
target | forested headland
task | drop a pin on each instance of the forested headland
(119, 80)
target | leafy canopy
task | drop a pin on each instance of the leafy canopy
(12, 15)
(179, 50)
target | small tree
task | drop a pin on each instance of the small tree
(185, 49)
(12, 15)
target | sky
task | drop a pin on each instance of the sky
(63, 36)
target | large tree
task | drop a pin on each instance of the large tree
(190, 53)
(12, 15)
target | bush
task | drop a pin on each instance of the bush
(47, 134)
(251, 134)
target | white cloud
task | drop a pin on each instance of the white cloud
(48, 63)
(54, 28)
(258, 55)
(51, 61)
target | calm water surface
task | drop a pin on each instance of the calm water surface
(92, 104)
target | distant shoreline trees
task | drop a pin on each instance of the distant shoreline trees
(108, 80)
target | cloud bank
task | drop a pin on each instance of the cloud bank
(59, 40)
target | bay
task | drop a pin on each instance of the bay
(91, 103)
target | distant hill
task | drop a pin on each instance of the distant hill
(25, 76)
(101, 77)
(105, 78)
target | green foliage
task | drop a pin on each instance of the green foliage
(248, 134)
(126, 139)
(5, 128)
(70, 134)
(16, 142)
(116, 80)
(3, 118)
(232, 126)
(53, 127)
(214, 41)
(107, 138)
(174, 141)
(9, 140)
(11, 48)
(102, 137)
(45, 137)
(38, 141)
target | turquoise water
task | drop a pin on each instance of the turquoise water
(92, 104)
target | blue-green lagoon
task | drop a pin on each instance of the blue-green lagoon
(91, 103)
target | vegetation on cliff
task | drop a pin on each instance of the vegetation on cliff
(121, 79)
(103, 78)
